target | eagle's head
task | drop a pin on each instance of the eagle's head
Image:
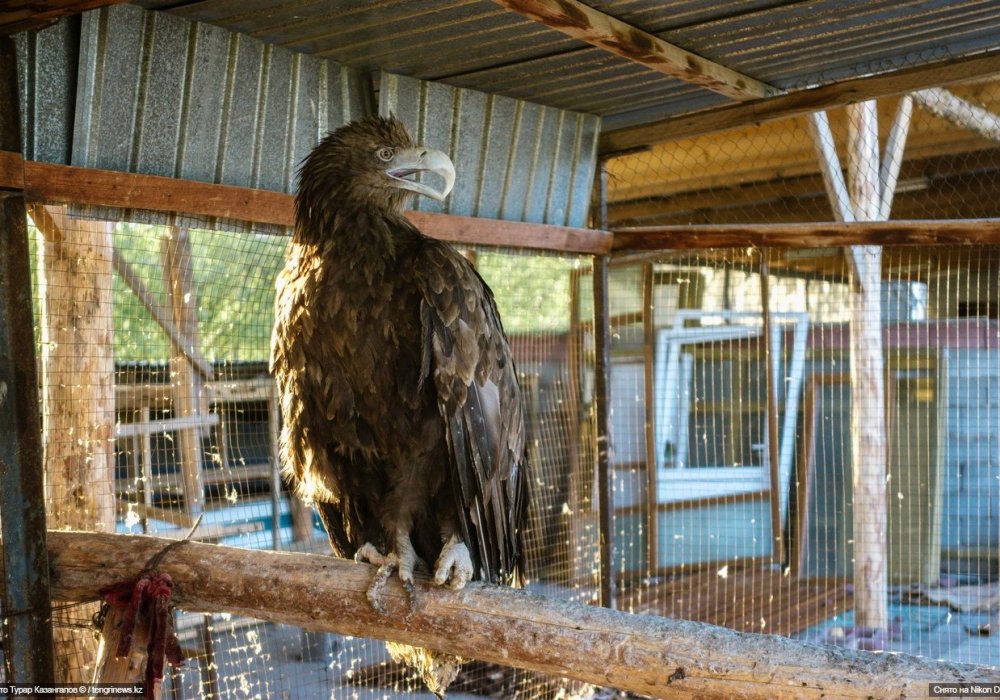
(370, 163)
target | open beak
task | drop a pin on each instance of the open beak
(411, 161)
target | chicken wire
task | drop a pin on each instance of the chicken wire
(699, 474)
(692, 458)
(153, 344)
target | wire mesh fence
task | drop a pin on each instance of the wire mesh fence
(159, 408)
(738, 492)
(748, 492)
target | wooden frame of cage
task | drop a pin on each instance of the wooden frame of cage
(37, 182)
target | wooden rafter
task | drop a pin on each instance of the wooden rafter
(949, 106)
(606, 32)
(801, 102)
(20, 15)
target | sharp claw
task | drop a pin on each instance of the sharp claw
(411, 595)
(378, 583)
(454, 567)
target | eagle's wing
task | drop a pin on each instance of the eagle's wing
(467, 356)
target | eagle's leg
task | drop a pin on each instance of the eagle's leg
(386, 563)
(454, 565)
(404, 559)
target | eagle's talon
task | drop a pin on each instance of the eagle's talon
(390, 562)
(454, 565)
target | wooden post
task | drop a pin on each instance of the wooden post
(868, 434)
(648, 655)
(773, 433)
(78, 408)
(26, 628)
(649, 426)
(189, 396)
(604, 470)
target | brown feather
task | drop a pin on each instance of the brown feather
(399, 397)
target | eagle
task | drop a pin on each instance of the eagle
(402, 414)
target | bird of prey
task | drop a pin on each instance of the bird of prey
(402, 415)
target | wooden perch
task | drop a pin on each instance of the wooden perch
(644, 654)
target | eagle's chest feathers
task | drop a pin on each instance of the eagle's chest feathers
(357, 322)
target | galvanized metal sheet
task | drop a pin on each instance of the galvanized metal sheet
(479, 45)
(161, 95)
(47, 62)
(514, 160)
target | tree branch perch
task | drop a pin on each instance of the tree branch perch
(649, 655)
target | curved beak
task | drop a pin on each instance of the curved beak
(411, 161)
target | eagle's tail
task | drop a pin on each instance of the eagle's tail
(436, 668)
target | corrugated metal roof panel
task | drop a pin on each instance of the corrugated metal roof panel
(47, 62)
(478, 45)
(514, 160)
(163, 96)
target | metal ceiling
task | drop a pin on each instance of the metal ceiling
(479, 45)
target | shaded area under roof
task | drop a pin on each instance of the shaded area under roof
(477, 44)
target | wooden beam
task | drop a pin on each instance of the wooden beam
(820, 235)
(892, 159)
(46, 182)
(26, 632)
(644, 654)
(181, 343)
(189, 398)
(606, 32)
(868, 425)
(829, 166)
(21, 15)
(801, 102)
(78, 402)
(963, 113)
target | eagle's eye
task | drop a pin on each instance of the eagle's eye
(385, 154)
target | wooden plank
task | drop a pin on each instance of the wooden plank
(645, 654)
(583, 22)
(475, 231)
(819, 235)
(11, 171)
(801, 102)
(22, 15)
(63, 183)
(127, 430)
(46, 182)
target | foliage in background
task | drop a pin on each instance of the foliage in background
(234, 286)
